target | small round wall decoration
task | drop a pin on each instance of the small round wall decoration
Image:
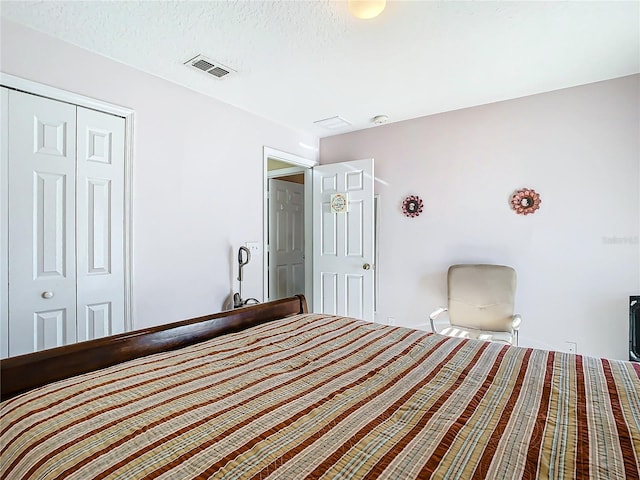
(525, 201)
(412, 206)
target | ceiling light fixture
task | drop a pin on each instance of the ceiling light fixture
(366, 9)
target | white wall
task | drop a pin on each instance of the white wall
(197, 182)
(577, 258)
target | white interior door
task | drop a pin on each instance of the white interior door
(100, 207)
(343, 243)
(42, 274)
(286, 239)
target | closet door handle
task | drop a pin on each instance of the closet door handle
(47, 295)
(366, 266)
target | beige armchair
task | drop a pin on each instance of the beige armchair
(481, 303)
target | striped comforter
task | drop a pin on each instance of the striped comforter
(313, 396)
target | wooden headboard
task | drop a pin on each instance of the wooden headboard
(25, 372)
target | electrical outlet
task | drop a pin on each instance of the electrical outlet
(254, 247)
(391, 321)
(571, 347)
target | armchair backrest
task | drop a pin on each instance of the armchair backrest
(481, 296)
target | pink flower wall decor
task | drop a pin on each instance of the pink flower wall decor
(412, 206)
(525, 201)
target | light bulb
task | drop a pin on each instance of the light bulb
(366, 9)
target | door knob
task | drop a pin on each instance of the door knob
(47, 295)
(366, 266)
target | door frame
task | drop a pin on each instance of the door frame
(297, 162)
(28, 86)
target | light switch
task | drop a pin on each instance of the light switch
(254, 247)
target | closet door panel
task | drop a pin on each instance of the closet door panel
(42, 271)
(100, 210)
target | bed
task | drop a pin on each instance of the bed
(273, 392)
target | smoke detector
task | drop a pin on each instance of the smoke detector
(380, 119)
(206, 65)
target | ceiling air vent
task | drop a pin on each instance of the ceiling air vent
(333, 123)
(209, 66)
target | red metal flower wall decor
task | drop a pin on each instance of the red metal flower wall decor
(412, 206)
(525, 201)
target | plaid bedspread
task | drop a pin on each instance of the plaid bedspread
(324, 397)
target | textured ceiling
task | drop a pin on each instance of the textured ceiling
(302, 61)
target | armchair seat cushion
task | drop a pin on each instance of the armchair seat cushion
(488, 335)
(480, 303)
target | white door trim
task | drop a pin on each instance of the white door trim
(308, 164)
(28, 86)
(283, 172)
(4, 218)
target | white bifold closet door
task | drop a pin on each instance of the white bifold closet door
(99, 224)
(65, 222)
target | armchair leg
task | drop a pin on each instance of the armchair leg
(433, 327)
(433, 316)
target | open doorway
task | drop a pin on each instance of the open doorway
(287, 225)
